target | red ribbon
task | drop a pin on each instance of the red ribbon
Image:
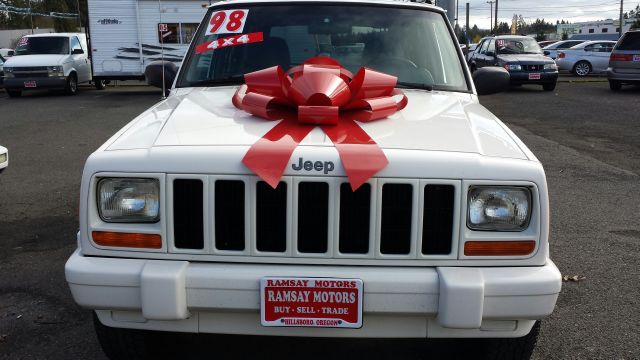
(326, 95)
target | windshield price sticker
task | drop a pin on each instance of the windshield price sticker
(636, 57)
(242, 39)
(501, 43)
(227, 22)
(311, 302)
(23, 41)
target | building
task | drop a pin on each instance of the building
(608, 26)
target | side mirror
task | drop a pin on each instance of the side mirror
(154, 70)
(491, 80)
(546, 53)
(77, 52)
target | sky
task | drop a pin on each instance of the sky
(550, 10)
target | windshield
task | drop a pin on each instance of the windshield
(414, 45)
(518, 46)
(55, 45)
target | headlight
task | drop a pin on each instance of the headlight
(129, 200)
(494, 208)
(8, 72)
(55, 71)
(513, 67)
(3, 158)
(551, 66)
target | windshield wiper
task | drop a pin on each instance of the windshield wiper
(409, 85)
(231, 80)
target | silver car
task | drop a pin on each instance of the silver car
(552, 49)
(586, 58)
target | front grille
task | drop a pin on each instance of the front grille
(532, 67)
(316, 217)
(31, 68)
(31, 75)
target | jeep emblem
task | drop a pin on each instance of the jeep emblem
(326, 166)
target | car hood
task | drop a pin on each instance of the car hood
(524, 58)
(432, 121)
(35, 60)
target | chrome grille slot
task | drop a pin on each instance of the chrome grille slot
(229, 199)
(313, 217)
(438, 219)
(271, 217)
(355, 219)
(188, 217)
(395, 227)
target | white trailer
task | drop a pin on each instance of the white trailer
(125, 35)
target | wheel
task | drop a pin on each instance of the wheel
(14, 93)
(100, 84)
(516, 348)
(615, 85)
(122, 343)
(549, 86)
(133, 344)
(72, 85)
(582, 68)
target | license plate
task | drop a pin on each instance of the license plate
(311, 302)
(636, 57)
(534, 76)
(30, 84)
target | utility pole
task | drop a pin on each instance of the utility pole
(79, 15)
(491, 13)
(467, 27)
(495, 18)
(457, 12)
(621, 16)
(31, 16)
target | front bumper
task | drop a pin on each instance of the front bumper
(523, 78)
(623, 77)
(404, 302)
(41, 83)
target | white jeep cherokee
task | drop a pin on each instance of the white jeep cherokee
(449, 239)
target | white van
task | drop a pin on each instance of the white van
(49, 61)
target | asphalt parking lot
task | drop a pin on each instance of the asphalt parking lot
(587, 137)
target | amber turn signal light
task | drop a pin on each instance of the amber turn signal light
(131, 240)
(499, 248)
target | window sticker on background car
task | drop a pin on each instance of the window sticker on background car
(227, 22)
(241, 39)
(500, 43)
(23, 41)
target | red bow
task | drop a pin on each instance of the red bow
(324, 94)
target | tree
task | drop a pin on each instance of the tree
(503, 28)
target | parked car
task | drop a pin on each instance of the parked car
(521, 56)
(586, 58)
(202, 216)
(2, 60)
(544, 43)
(552, 49)
(624, 62)
(4, 158)
(49, 61)
(6, 53)
(472, 48)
